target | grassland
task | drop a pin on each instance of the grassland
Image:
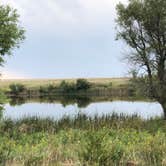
(36, 83)
(108, 141)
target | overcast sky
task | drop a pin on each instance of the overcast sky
(67, 39)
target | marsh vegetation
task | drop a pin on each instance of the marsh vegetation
(115, 140)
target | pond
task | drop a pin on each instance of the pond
(55, 109)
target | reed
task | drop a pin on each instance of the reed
(109, 140)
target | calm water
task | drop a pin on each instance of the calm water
(57, 110)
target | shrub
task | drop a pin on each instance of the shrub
(16, 88)
(66, 87)
(82, 84)
(47, 89)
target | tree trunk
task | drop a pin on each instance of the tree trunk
(164, 109)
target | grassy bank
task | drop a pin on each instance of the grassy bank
(83, 141)
(36, 83)
(116, 87)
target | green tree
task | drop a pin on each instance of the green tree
(142, 25)
(16, 88)
(82, 84)
(11, 33)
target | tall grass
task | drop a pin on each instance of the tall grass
(110, 140)
(36, 83)
(83, 122)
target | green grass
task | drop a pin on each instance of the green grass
(83, 141)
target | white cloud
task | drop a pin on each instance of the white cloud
(64, 16)
(11, 75)
(70, 19)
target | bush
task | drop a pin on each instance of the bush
(82, 84)
(66, 87)
(47, 89)
(16, 88)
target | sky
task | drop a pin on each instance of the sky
(67, 39)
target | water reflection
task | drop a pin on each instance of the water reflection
(58, 107)
(81, 101)
(17, 101)
(1, 111)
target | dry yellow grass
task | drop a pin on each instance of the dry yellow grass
(34, 83)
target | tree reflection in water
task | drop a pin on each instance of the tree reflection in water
(81, 101)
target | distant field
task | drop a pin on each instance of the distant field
(34, 83)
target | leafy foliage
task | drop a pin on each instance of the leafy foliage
(16, 88)
(11, 33)
(66, 87)
(142, 25)
(82, 84)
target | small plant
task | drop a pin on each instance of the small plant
(16, 88)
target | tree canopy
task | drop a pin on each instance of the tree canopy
(11, 33)
(142, 25)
